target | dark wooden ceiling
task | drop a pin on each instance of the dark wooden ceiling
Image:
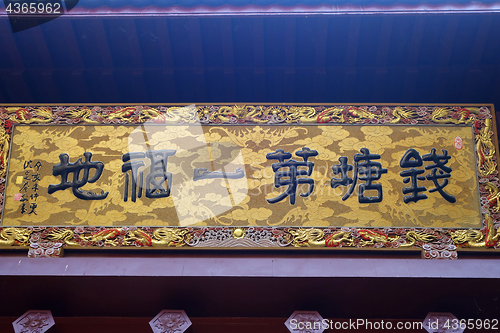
(375, 58)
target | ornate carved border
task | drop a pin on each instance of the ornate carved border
(435, 243)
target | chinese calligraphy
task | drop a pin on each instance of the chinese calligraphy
(289, 177)
(31, 175)
(65, 168)
(412, 159)
(439, 170)
(364, 169)
(158, 180)
(288, 172)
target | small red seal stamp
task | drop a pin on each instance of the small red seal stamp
(459, 143)
(18, 197)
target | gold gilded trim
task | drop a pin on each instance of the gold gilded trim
(15, 236)
(435, 243)
(485, 150)
(474, 238)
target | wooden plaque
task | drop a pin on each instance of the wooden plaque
(254, 176)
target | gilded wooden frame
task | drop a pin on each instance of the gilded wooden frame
(436, 243)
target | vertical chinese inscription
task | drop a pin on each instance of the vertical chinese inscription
(29, 187)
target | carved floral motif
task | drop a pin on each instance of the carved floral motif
(170, 321)
(34, 322)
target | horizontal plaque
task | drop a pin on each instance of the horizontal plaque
(264, 176)
(241, 175)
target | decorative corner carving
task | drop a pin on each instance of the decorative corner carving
(305, 321)
(170, 321)
(34, 321)
(442, 323)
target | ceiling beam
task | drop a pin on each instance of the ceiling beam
(198, 71)
(320, 59)
(113, 9)
(259, 60)
(228, 58)
(480, 41)
(102, 42)
(416, 42)
(41, 45)
(350, 74)
(9, 44)
(165, 45)
(133, 42)
(289, 73)
(448, 41)
(16, 86)
(71, 42)
(385, 41)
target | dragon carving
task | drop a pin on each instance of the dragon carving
(4, 151)
(11, 236)
(494, 197)
(337, 239)
(240, 112)
(485, 150)
(24, 115)
(172, 237)
(441, 115)
(307, 237)
(83, 114)
(303, 114)
(474, 238)
(330, 114)
(359, 115)
(372, 236)
(399, 113)
(107, 236)
(65, 235)
(417, 236)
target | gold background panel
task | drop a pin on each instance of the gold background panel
(239, 201)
